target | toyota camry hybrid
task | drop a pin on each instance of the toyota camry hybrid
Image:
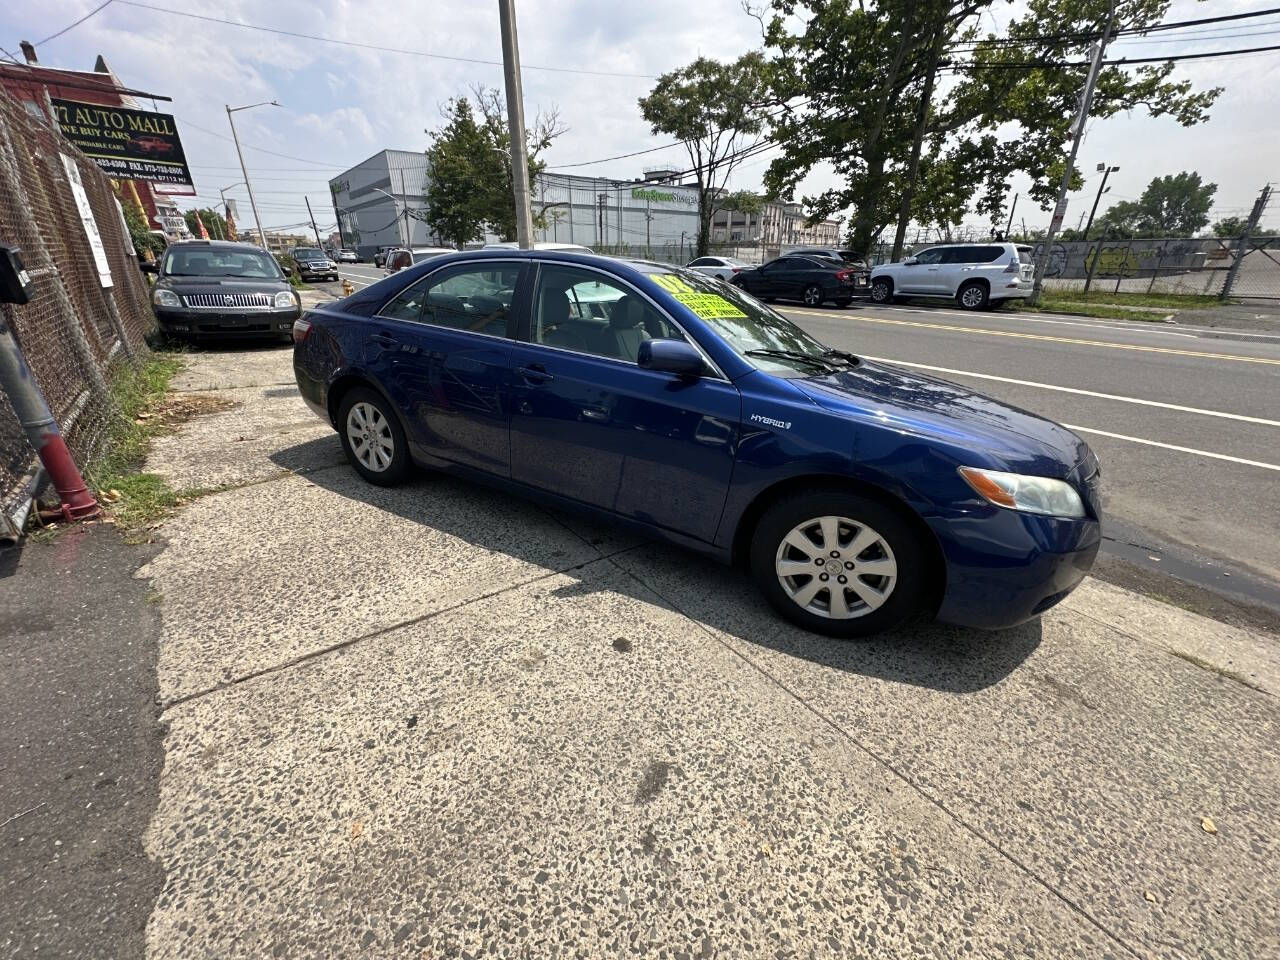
(858, 494)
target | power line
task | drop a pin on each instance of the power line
(71, 26)
(372, 46)
(1117, 34)
(665, 146)
(250, 146)
(1125, 61)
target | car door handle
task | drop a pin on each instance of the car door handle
(384, 339)
(535, 373)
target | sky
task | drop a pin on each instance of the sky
(343, 104)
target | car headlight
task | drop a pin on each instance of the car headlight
(284, 300)
(165, 298)
(1043, 495)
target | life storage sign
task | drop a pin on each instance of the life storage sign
(127, 144)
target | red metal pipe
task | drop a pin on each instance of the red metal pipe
(42, 430)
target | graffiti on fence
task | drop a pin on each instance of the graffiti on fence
(1057, 259)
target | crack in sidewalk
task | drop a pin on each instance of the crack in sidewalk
(166, 705)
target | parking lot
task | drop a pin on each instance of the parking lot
(437, 721)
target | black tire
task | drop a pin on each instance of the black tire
(770, 299)
(882, 291)
(397, 471)
(812, 296)
(973, 295)
(910, 590)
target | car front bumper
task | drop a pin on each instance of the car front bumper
(211, 324)
(1004, 567)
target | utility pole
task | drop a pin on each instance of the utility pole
(1082, 116)
(1242, 247)
(257, 221)
(319, 242)
(1009, 226)
(408, 228)
(515, 123)
(1102, 188)
(601, 200)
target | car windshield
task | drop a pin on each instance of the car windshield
(760, 335)
(212, 262)
(308, 253)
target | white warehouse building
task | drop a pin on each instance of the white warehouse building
(381, 202)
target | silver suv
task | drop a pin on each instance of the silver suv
(976, 275)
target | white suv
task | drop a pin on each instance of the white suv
(975, 275)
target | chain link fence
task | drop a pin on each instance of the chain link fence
(77, 335)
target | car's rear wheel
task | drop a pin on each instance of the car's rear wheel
(973, 295)
(881, 291)
(838, 563)
(812, 296)
(372, 437)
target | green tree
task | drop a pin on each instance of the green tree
(1171, 206)
(715, 109)
(1232, 227)
(470, 186)
(213, 221)
(860, 77)
(741, 201)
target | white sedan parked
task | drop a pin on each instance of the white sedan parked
(722, 267)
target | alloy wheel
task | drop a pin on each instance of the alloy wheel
(835, 567)
(880, 292)
(971, 297)
(812, 296)
(371, 438)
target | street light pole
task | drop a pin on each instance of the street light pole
(515, 123)
(1082, 117)
(1102, 188)
(257, 221)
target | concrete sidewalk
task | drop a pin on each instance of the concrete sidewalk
(437, 721)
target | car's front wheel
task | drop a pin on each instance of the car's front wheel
(838, 563)
(372, 437)
(881, 291)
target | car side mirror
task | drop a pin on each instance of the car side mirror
(910, 261)
(671, 356)
(148, 266)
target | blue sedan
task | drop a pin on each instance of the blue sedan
(858, 494)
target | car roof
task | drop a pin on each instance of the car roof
(219, 244)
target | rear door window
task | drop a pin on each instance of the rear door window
(475, 297)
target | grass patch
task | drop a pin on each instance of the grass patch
(135, 499)
(1118, 306)
(1178, 301)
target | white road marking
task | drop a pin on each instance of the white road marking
(1086, 393)
(364, 281)
(1174, 446)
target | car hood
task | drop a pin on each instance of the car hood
(924, 405)
(222, 284)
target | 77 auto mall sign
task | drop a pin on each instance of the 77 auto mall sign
(127, 144)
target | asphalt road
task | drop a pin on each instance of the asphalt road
(1186, 420)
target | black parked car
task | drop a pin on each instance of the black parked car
(314, 264)
(207, 289)
(811, 280)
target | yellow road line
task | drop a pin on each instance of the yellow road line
(1041, 336)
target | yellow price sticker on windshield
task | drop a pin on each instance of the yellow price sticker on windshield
(708, 306)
